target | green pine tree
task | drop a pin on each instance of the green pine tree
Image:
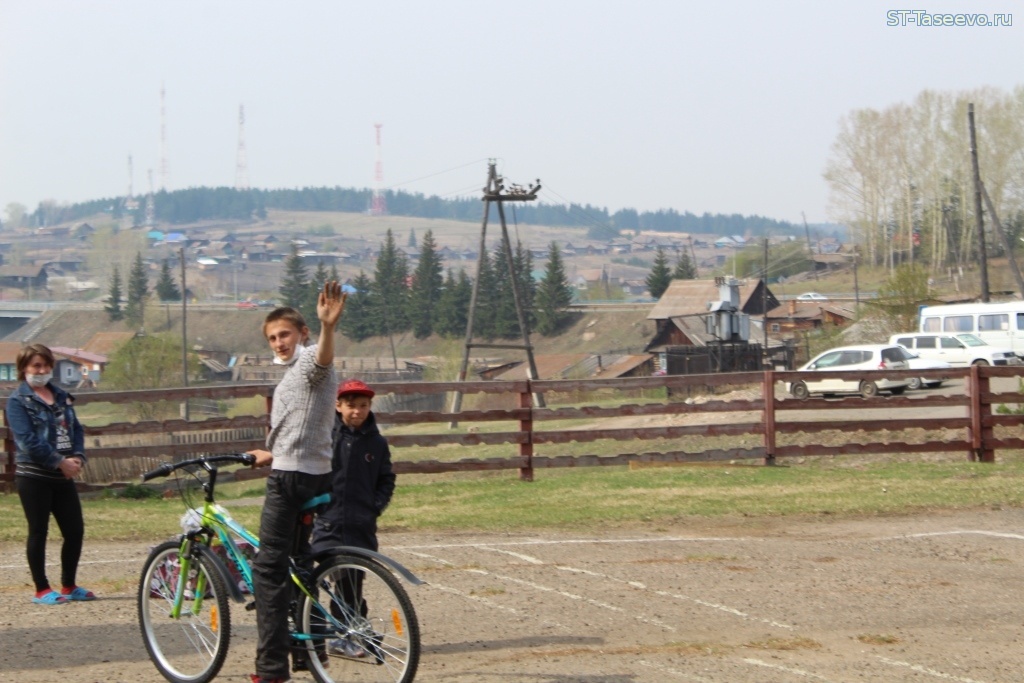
(138, 292)
(453, 306)
(506, 321)
(295, 284)
(486, 299)
(166, 288)
(316, 285)
(113, 307)
(684, 269)
(359, 320)
(390, 288)
(523, 262)
(660, 276)
(427, 282)
(554, 294)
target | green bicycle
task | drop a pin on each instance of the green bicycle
(351, 618)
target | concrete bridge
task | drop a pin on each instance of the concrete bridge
(15, 315)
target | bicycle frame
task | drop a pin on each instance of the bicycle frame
(216, 521)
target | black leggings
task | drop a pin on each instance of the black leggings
(39, 498)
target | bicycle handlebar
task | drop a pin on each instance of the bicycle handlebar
(168, 467)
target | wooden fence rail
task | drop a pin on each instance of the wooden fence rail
(725, 417)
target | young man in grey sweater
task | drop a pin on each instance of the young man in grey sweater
(299, 446)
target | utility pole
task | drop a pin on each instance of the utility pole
(693, 256)
(856, 284)
(184, 335)
(810, 249)
(764, 304)
(978, 218)
(494, 192)
(1006, 242)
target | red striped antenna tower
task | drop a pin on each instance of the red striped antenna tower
(378, 207)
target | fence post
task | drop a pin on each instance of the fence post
(768, 394)
(526, 425)
(981, 436)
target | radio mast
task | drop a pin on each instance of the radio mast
(241, 159)
(378, 207)
(164, 172)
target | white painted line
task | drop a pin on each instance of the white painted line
(475, 598)
(924, 670)
(478, 598)
(518, 556)
(787, 669)
(684, 598)
(584, 541)
(963, 532)
(565, 594)
(634, 584)
(675, 672)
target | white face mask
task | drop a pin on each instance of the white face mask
(38, 380)
(295, 355)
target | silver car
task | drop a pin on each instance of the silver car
(860, 357)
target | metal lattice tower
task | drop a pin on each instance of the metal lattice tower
(495, 192)
(150, 205)
(164, 170)
(241, 159)
(378, 207)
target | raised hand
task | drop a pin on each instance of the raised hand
(330, 304)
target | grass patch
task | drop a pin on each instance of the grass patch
(784, 644)
(580, 498)
(878, 639)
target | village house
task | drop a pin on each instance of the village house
(679, 314)
(795, 317)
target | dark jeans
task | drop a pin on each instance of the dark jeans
(40, 498)
(286, 492)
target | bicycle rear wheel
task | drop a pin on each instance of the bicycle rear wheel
(361, 627)
(190, 648)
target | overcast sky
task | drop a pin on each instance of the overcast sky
(725, 107)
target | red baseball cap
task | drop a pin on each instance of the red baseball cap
(354, 386)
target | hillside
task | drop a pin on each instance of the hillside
(239, 332)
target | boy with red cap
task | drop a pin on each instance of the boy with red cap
(361, 487)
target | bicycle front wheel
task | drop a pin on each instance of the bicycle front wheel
(191, 647)
(361, 626)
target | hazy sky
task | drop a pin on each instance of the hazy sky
(726, 107)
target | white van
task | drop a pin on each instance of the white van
(1001, 325)
(959, 350)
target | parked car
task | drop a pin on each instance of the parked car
(918, 363)
(860, 357)
(812, 296)
(245, 305)
(959, 349)
(266, 303)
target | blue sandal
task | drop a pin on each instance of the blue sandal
(79, 594)
(51, 598)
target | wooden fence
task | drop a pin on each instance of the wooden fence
(724, 417)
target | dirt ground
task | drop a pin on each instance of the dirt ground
(925, 598)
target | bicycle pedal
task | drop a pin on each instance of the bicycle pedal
(251, 607)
